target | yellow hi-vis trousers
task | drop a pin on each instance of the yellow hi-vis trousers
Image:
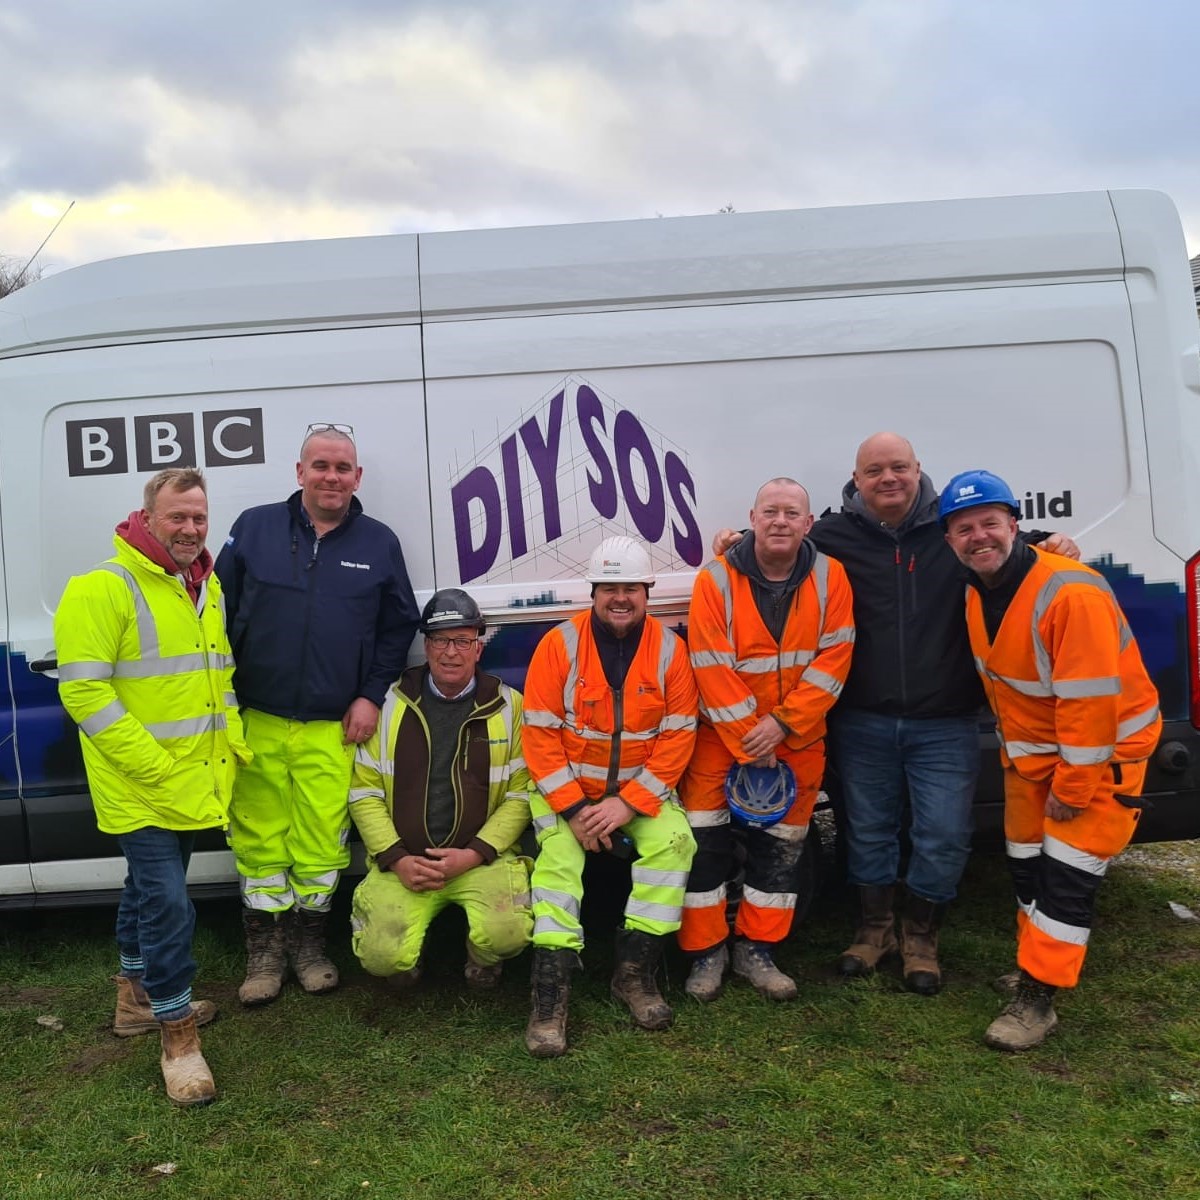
(663, 848)
(289, 821)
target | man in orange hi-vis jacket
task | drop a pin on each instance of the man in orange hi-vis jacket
(771, 632)
(610, 720)
(1077, 717)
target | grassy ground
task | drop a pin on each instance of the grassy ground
(855, 1090)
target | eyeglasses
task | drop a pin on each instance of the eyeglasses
(440, 642)
(329, 427)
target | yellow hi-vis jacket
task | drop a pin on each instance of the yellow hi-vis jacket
(148, 679)
(1065, 679)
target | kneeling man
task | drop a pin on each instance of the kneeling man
(440, 795)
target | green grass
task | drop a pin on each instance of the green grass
(855, 1090)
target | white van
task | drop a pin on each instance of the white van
(517, 394)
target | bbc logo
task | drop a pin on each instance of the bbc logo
(229, 438)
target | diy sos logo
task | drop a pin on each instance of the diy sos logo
(577, 460)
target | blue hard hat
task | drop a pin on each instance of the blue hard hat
(971, 489)
(759, 797)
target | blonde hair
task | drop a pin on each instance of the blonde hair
(178, 479)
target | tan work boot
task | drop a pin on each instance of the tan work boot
(753, 962)
(266, 958)
(919, 945)
(186, 1074)
(875, 938)
(134, 1015)
(1028, 1018)
(707, 976)
(550, 991)
(633, 982)
(306, 951)
(480, 976)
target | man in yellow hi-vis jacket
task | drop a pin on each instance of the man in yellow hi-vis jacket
(145, 671)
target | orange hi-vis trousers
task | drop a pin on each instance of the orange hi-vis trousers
(769, 891)
(1057, 866)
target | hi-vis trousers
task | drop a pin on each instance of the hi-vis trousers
(1057, 867)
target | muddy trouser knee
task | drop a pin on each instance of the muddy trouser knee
(389, 922)
(664, 847)
(1057, 867)
(556, 884)
(289, 820)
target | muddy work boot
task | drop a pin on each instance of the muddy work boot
(549, 993)
(875, 938)
(707, 976)
(1006, 984)
(634, 984)
(480, 976)
(266, 958)
(753, 962)
(134, 1015)
(306, 951)
(919, 945)
(1028, 1018)
(186, 1074)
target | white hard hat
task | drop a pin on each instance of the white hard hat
(620, 559)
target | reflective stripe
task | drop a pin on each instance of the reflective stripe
(498, 775)
(713, 658)
(1085, 756)
(590, 771)
(1136, 723)
(562, 900)
(516, 763)
(1079, 689)
(150, 668)
(1022, 749)
(570, 637)
(653, 877)
(1060, 851)
(327, 879)
(674, 724)
(147, 630)
(548, 821)
(736, 712)
(1042, 603)
(704, 899)
(653, 784)
(1022, 849)
(707, 818)
(768, 664)
(1027, 687)
(668, 914)
(555, 780)
(98, 722)
(768, 899)
(72, 672)
(819, 679)
(720, 576)
(787, 833)
(187, 727)
(547, 924)
(357, 794)
(1060, 931)
(538, 718)
(838, 637)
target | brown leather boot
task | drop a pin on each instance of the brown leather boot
(134, 1015)
(266, 958)
(633, 982)
(919, 945)
(186, 1074)
(549, 993)
(876, 935)
(306, 950)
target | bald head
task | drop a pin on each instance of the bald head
(783, 481)
(887, 476)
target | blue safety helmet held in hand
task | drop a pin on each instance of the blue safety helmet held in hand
(971, 489)
(759, 797)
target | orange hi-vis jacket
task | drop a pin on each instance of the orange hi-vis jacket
(743, 674)
(583, 741)
(1065, 679)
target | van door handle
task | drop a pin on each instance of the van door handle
(46, 666)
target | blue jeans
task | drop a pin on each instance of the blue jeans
(938, 757)
(155, 918)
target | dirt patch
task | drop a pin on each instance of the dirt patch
(31, 997)
(97, 1056)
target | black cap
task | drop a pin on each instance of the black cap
(451, 608)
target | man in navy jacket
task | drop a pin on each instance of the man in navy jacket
(320, 614)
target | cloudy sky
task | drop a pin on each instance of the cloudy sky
(182, 123)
